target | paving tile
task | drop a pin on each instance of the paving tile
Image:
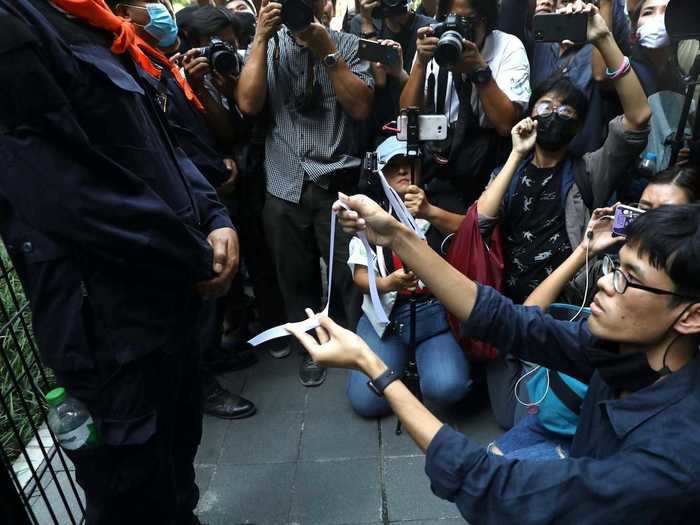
(444, 521)
(331, 395)
(268, 438)
(479, 426)
(338, 434)
(259, 494)
(41, 510)
(203, 477)
(336, 492)
(408, 492)
(274, 393)
(393, 445)
(213, 436)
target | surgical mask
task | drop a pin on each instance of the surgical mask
(653, 34)
(161, 26)
(554, 132)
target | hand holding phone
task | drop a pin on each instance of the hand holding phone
(373, 51)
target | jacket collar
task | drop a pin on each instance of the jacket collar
(630, 412)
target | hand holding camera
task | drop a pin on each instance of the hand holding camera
(426, 44)
(317, 39)
(196, 68)
(269, 20)
(524, 135)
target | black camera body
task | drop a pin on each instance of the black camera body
(297, 15)
(451, 32)
(390, 8)
(223, 57)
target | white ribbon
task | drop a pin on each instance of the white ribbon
(309, 324)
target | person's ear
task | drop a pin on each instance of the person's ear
(122, 11)
(689, 322)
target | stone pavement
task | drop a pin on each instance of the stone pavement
(305, 458)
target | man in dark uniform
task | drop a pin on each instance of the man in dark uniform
(114, 235)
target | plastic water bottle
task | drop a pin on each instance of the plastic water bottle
(647, 168)
(70, 421)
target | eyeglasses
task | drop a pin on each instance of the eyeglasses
(621, 282)
(545, 109)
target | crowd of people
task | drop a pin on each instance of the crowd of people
(169, 179)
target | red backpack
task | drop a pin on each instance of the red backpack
(481, 263)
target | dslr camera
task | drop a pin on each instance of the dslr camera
(297, 15)
(451, 32)
(390, 8)
(222, 56)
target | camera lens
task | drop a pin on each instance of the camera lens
(449, 49)
(225, 62)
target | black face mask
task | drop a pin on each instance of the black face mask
(555, 132)
(623, 372)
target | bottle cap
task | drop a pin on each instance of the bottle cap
(56, 396)
(650, 155)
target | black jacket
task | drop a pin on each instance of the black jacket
(103, 215)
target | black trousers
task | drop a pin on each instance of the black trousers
(299, 235)
(246, 209)
(148, 415)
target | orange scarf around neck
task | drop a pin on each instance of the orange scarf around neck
(99, 15)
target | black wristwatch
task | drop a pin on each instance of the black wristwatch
(379, 384)
(371, 34)
(481, 76)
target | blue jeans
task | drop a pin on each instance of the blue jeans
(529, 439)
(442, 367)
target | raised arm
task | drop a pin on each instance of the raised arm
(524, 138)
(637, 112)
(597, 239)
(251, 92)
(417, 203)
(354, 94)
(413, 93)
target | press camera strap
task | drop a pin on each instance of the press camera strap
(309, 324)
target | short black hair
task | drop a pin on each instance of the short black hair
(487, 9)
(670, 237)
(684, 177)
(563, 87)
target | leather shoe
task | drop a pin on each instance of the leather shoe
(311, 373)
(221, 403)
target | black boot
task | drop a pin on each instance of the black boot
(221, 403)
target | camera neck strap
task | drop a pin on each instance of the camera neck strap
(398, 206)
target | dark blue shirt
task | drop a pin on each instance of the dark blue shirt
(633, 460)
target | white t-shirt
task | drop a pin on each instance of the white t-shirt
(358, 256)
(506, 56)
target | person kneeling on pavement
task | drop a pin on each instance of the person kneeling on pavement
(635, 457)
(442, 367)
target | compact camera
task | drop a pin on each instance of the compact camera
(390, 8)
(624, 216)
(451, 32)
(223, 57)
(297, 15)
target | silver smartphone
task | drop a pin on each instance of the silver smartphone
(430, 127)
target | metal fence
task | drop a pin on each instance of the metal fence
(37, 485)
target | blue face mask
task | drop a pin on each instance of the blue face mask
(162, 25)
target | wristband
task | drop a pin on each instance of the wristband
(622, 71)
(379, 384)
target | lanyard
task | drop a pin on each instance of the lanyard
(309, 324)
